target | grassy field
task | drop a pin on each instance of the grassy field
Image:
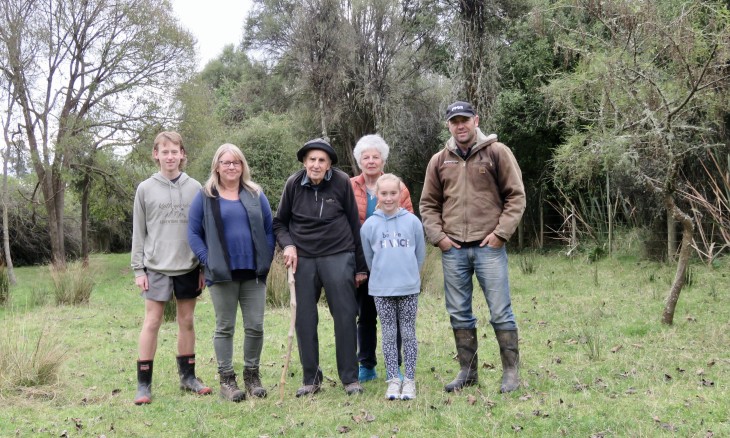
(596, 362)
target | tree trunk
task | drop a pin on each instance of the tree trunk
(610, 215)
(53, 194)
(671, 236)
(86, 188)
(573, 229)
(542, 222)
(682, 262)
(6, 237)
(322, 119)
(478, 57)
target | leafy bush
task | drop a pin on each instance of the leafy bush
(72, 285)
(269, 143)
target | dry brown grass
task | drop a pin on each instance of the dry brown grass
(28, 359)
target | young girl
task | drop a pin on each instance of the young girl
(394, 247)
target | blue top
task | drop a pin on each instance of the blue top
(395, 250)
(236, 231)
(237, 235)
(372, 203)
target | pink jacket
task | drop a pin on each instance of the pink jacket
(361, 196)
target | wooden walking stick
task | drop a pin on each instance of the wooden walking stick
(292, 322)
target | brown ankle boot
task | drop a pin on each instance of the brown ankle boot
(229, 388)
(466, 348)
(509, 351)
(252, 381)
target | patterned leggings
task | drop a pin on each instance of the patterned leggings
(390, 311)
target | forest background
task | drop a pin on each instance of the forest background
(617, 111)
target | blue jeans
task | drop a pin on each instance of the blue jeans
(490, 266)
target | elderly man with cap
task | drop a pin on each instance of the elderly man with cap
(318, 226)
(472, 201)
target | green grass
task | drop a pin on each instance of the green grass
(596, 361)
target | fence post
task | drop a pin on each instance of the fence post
(573, 228)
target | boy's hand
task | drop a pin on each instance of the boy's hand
(142, 282)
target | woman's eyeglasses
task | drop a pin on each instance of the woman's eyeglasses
(230, 163)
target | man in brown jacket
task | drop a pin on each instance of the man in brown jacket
(472, 201)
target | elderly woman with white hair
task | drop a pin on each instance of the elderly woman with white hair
(371, 153)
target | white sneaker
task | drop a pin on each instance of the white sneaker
(393, 391)
(409, 389)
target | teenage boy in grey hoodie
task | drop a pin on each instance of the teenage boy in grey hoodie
(163, 262)
(395, 249)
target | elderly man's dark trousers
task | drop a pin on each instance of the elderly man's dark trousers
(336, 274)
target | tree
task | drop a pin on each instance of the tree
(95, 173)
(359, 62)
(392, 46)
(477, 40)
(81, 70)
(7, 257)
(647, 96)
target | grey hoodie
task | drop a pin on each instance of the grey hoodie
(394, 249)
(160, 225)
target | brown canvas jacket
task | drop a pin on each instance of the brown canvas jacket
(468, 199)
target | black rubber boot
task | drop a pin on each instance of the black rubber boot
(144, 382)
(466, 348)
(229, 388)
(252, 381)
(509, 351)
(188, 380)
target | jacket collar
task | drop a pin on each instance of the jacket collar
(482, 142)
(307, 182)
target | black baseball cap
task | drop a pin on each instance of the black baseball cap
(317, 143)
(460, 108)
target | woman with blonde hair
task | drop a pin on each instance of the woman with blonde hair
(231, 232)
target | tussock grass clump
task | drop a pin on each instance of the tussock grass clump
(592, 342)
(277, 287)
(28, 360)
(597, 252)
(72, 285)
(4, 286)
(431, 273)
(38, 297)
(527, 264)
(689, 277)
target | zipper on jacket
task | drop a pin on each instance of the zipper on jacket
(465, 199)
